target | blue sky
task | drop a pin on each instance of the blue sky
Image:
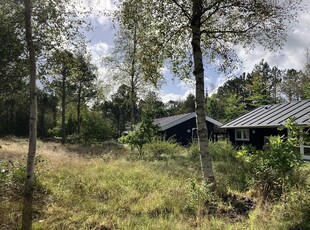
(292, 55)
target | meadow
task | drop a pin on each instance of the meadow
(105, 186)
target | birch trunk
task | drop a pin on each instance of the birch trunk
(79, 107)
(133, 73)
(28, 196)
(205, 157)
(63, 109)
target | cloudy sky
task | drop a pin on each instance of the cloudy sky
(292, 55)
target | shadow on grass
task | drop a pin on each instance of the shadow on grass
(110, 148)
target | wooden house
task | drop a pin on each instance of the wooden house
(256, 126)
(183, 127)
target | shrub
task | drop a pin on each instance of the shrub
(95, 128)
(273, 169)
(295, 209)
(160, 149)
(292, 211)
(144, 133)
(193, 150)
(230, 171)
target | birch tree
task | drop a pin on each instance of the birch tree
(193, 34)
(127, 60)
(28, 197)
(47, 25)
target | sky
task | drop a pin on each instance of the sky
(291, 56)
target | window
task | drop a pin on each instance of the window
(242, 135)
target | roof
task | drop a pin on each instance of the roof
(168, 122)
(274, 115)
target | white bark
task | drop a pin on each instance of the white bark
(28, 197)
(205, 157)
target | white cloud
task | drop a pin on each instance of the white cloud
(98, 9)
(170, 96)
(292, 54)
(186, 84)
(97, 51)
(165, 97)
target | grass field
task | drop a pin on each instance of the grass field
(104, 187)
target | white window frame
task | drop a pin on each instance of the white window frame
(244, 133)
(302, 152)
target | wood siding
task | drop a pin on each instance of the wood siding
(180, 132)
(256, 136)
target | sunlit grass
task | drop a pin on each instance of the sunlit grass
(101, 187)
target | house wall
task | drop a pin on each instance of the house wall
(256, 136)
(180, 132)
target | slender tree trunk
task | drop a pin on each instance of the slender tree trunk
(42, 120)
(63, 110)
(28, 197)
(54, 109)
(133, 73)
(202, 132)
(79, 108)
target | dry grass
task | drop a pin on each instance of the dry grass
(15, 149)
(100, 187)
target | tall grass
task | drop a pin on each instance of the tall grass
(100, 187)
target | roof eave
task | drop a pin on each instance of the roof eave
(263, 126)
(178, 121)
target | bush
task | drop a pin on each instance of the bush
(230, 171)
(193, 150)
(273, 169)
(160, 148)
(95, 128)
(295, 209)
(144, 133)
(292, 211)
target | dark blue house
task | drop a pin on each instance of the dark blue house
(183, 127)
(256, 126)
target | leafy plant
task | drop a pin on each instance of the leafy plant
(160, 149)
(194, 150)
(272, 169)
(144, 133)
(95, 128)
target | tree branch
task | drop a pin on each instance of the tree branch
(228, 31)
(186, 14)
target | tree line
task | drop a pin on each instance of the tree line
(262, 86)
(75, 89)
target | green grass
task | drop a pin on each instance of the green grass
(100, 187)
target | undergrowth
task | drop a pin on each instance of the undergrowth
(100, 187)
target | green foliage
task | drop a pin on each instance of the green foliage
(197, 197)
(294, 208)
(95, 128)
(161, 149)
(193, 150)
(144, 133)
(153, 105)
(118, 108)
(272, 169)
(11, 173)
(230, 171)
(291, 211)
(108, 191)
(306, 90)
